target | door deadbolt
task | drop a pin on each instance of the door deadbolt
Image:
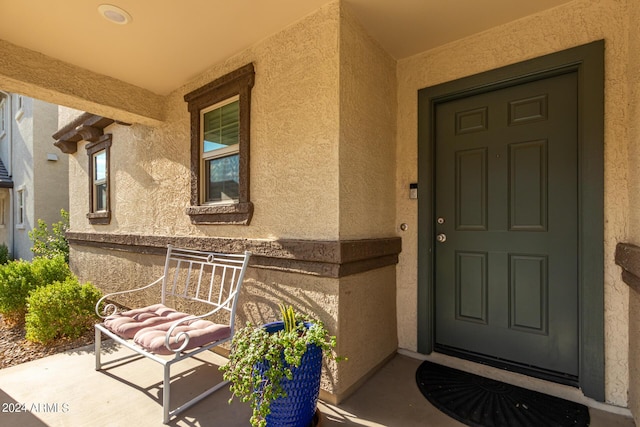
(441, 237)
(440, 220)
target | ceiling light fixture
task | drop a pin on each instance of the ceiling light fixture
(114, 14)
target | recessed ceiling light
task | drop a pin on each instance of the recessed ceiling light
(114, 14)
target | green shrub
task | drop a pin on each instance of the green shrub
(49, 244)
(4, 254)
(50, 270)
(61, 309)
(18, 278)
(16, 281)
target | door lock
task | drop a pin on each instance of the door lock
(441, 237)
(440, 220)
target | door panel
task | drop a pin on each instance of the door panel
(506, 283)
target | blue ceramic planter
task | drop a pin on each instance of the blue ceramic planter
(298, 408)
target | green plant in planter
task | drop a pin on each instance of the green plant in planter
(261, 361)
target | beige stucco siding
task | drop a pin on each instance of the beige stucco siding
(294, 147)
(573, 24)
(633, 73)
(367, 134)
(50, 174)
(41, 77)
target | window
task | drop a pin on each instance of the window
(3, 207)
(20, 206)
(3, 113)
(99, 200)
(219, 167)
(100, 181)
(220, 149)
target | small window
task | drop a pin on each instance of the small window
(99, 200)
(3, 113)
(3, 207)
(220, 149)
(100, 181)
(220, 165)
(20, 206)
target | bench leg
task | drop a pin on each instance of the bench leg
(98, 348)
(166, 393)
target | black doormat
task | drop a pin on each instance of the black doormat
(482, 402)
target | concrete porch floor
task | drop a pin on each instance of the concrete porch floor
(65, 390)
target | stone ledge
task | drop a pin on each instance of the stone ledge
(628, 257)
(324, 258)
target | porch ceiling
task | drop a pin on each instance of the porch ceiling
(169, 42)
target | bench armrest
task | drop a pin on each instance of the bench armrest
(112, 309)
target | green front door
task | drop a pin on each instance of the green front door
(506, 226)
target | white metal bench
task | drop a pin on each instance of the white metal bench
(207, 279)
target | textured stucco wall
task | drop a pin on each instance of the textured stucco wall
(573, 24)
(633, 74)
(50, 177)
(38, 76)
(294, 147)
(367, 134)
(367, 323)
(66, 115)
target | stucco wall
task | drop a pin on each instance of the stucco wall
(42, 77)
(633, 74)
(50, 177)
(573, 24)
(367, 134)
(294, 147)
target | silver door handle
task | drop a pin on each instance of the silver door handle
(441, 237)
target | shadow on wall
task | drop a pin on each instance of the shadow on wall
(313, 296)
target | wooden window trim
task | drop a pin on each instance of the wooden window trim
(237, 83)
(103, 143)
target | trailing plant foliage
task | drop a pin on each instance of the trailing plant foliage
(51, 243)
(259, 361)
(61, 309)
(19, 278)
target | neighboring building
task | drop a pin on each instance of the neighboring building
(34, 175)
(339, 130)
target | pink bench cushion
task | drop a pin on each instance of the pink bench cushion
(201, 332)
(128, 323)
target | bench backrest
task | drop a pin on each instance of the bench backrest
(210, 278)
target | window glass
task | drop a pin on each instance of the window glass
(100, 165)
(220, 159)
(222, 179)
(221, 127)
(20, 206)
(100, 181)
